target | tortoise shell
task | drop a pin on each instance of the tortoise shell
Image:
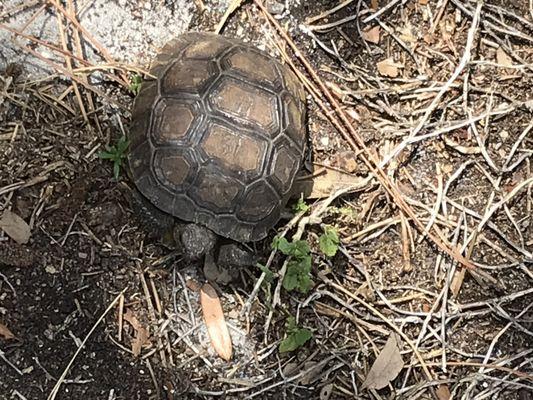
(218, 136)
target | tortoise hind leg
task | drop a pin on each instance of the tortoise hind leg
(235, 256)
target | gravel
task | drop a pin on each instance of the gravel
(131, 31)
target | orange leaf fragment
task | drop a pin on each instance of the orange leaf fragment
(503, 58)
(388, 67)
(142, 336)
(372, 35)
(6, 333)
(443, 393)
(215, 322)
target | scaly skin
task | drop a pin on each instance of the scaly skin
(195, 241)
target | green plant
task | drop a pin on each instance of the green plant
(269, 275)
(329, 241)
(298, 274)
(296, 337)
(135, 84)
(266, 286)
(300, 206)
(116, 154)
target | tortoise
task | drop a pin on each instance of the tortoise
(216, 140)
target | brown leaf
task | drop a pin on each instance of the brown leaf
(503, 59)
(215, 322)
(443, 393)
(386, 367)
(140, 340)
(372, 35)
(345, 161)
(388, 68)
(423, 2)
(457, 281)
(325, 393)
(325, 182)
(6, 333)
(142, 333)
(406, 34)
(192, 285)
(16, 228)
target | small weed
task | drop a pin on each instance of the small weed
(345, 211)
(269, 275)
(135, 84)
(329, 241)
(300, 206)
(296, 337)
(298, 274)
(116, 154)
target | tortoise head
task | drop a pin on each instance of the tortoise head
(195, 239)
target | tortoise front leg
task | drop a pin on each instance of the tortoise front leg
(225, 267)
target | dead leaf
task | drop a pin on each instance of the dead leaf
(215, 322)
(312, 374)
(323, 183)
(192, 285)
(386, 367)
(345, 161)
(389, 68)
(406, 34)
(16, 228)
(372, 35)
(6, 333)
(423, 2)
(503, 59)
(326, 391)
(142, 334)
(443, 393)
(374, 4)
(457, 281)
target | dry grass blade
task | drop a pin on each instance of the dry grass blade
(345, 126)
(16, 228)
(53, 394)
(232, 7)
(326, 181)
(215, 322)
(105, 54)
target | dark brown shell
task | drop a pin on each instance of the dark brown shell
(218, 137)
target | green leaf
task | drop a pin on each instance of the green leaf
(298, 275)
(281, 244)
(106, 155)
(269, 275)
(122, 145)
(291, 324)
(329, 241)
(135, 84)
(295, 339)
(116, 169)
(291, 279)
(300, 206)
(299, 249)
(116, 154)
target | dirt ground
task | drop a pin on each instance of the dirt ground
(447, 85)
